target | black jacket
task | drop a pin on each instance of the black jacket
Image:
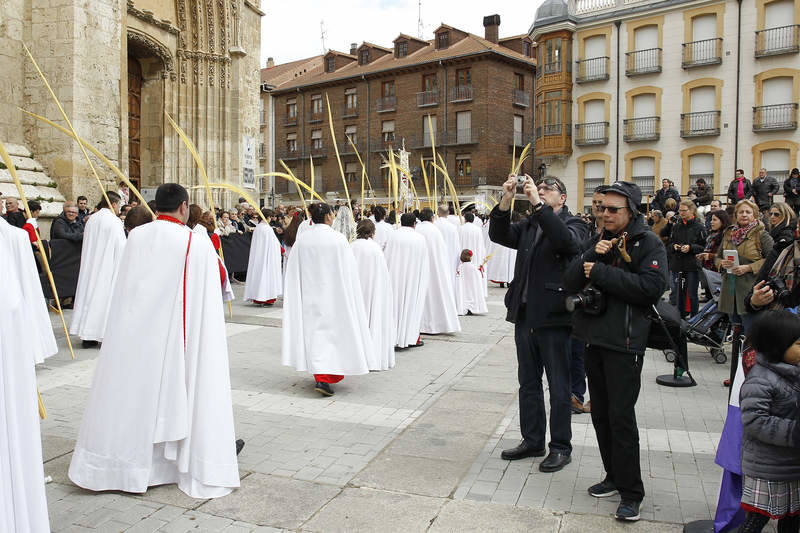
(660, 199)
(64, 229)
(693, 234)
(792, 300)
(540, 265)
(762, 190)
(630, 289)
(703, 194)
(17, 218)
(771, 421)
(733, 187)
(789, 185)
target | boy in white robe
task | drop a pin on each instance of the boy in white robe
(325, 329)
(160, 408)
(383, 230)
(439, 314)
(451, 239)
(471, 238)
(101, 252)
(469, 294)
(264, 278)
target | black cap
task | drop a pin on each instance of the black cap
(629, 190)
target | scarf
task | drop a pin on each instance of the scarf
(786, 267)
(739, 234)
(712, 245)
(740, 189)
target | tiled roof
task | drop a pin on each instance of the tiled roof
(286, 72)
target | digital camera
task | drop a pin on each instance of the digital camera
(590, 299)
(779, 289)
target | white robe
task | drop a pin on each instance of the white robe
(500, 267)
(160, 408)
(103, 244)
(406, 254)
(23, 504)
(454, 220)
(452, 243)
(469, 293)
(383, 230)
(439, 314)
(302, 228)
(471, 237)
(41, 344)
(325, 329)
(264, 280)
(227, 290)
(376, 288)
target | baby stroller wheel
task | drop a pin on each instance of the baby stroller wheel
(670, 355)
(719, 355)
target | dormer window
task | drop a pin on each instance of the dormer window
(363, 57)
(443, 40)
(330, 64)
(526, 48)
(401, 49)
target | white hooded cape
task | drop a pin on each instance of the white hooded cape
(406, 254)
(439, 314)
(452, 243)
(471, 237)
(42, 343)
(227, 290)
(160, 408)
(383, 230)
(376, 288)
(103, 243)
(325, 329)
(264, 280)
(23, 505)
(469, 293)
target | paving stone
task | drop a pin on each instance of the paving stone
(578, 523)
(467, 516)
(414, 475)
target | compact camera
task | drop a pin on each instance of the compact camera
(590, 299)
(520, 182)
(779, 289)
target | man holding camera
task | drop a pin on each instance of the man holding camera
(545, 242)
(620, 274)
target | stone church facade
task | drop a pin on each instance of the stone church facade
(117, 66)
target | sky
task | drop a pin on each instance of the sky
(291, 29)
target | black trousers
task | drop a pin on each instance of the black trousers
(614, 384)
(548, 350)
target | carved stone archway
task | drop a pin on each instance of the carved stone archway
(141, 45)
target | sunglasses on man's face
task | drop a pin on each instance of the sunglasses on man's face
(610, 208)
(552, 185)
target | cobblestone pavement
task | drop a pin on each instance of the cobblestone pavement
(413, 449)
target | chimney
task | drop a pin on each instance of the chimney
(353, 48)
(491, 26)
(270, 62)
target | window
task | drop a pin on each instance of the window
(291, 143)
(316, 104)
(351, 172)
(443, 40)
(594, 175)
(427, 128)
(518, 130)
(291, 108)
(552, 113)
(464, 127)
(401, 49)
(330, 64)
(552, 60)
(387, 89)
(464, 166)
(643, 174)
(387, 128)
(350, 132)
(519, 82)
(526, 48)
(351, 98)
(364, 56)
(463, 77)
(428, 83)
(427, 162)
(316, 139)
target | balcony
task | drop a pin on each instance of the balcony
(428, 99)
(647, 184)
(285, 154)
(700, 124)
(315, 117)
(590, 184)
(424, 140)
(317, 152)
(461, 137)
(642, 129)
(290, 120)
(554, 67)
(642, 62)
(461, 93)
(383, 146)
(520, 98)
(775, 117)
(775, 41)
(345, 148)
(349, 111)
(591, 133)
(552, 130)
(594, 69)
(702, 53)
(386, 104)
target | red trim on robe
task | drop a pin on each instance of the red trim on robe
(216, 242)
(185, 265)
(223, 274)
(170, 219)
(31, 231)
(327, 378)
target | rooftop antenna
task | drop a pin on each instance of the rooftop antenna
(322, 33)
(420, 27)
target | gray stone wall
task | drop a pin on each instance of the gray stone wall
(12, 16)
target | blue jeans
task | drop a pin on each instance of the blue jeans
(692, 285)
(577, 372)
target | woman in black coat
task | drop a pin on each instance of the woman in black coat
(687, 238)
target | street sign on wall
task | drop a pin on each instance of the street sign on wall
(249, 162)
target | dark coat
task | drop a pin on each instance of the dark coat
(733, 187)
(789, 185)
(793, 300)
(660, 199)
(540, 264)
(630, 289)
(770, 405)
(693, 234)
(17, 218)
(703, 194)
(762, 189)
(782, 235)
(61, 228)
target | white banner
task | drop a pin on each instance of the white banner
(249, 162)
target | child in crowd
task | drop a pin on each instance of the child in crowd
(469, 287)
(770, 406)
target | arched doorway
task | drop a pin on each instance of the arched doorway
(134, 122)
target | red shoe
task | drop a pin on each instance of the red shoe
(726, 383)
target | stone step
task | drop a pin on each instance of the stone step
(27, 177)
(18, 150)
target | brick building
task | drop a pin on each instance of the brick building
(477, 91)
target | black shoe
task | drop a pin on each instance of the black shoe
(89, 344)
(554, 462)
(628, 510)
(239, 446)
(522, 451)
(419, 343)
(323, 388)
(604, 489)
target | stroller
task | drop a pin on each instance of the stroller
(709, 328)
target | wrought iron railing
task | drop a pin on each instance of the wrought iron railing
(593, 69)
(643, 62)
(290, 120)
(774, 41)
(387, 103)
(647, 184)
(590, 184)
(520, 98)
(590, 133)
(461, 93)
(701, 53)
(349, 111)
(642, 129)
(462, 136)
(427, 98)
(775, 117)
(700, 124)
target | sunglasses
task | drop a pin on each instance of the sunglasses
(775, 214)
(610, 208)
(552, 185)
